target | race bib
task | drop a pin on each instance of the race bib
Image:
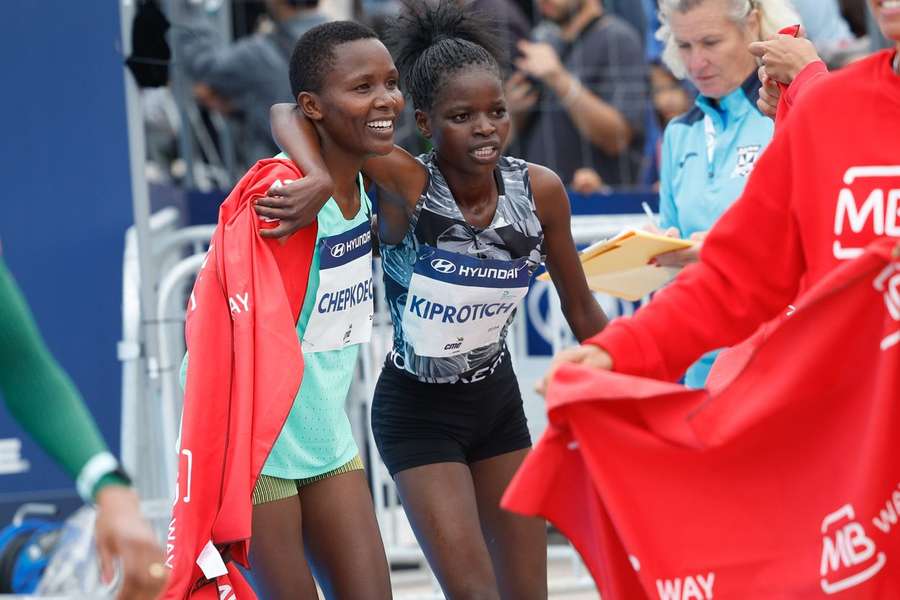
(344, 307)
(457, 303)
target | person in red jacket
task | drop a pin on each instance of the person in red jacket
(828, 185)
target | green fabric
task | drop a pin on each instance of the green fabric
(316, 438)
(37, 392)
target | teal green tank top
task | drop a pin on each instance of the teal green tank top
(316, 437)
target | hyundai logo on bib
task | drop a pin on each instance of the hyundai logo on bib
(442, 265)
(341, 248)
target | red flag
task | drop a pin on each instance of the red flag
(245, 370)
(784, 484)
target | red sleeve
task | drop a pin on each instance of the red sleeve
(750, 267)
(811, 73)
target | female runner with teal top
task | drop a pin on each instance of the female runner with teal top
(313, 518)
(459, 248)
(45, 402)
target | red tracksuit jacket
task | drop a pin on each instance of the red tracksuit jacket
(245, 369)
(784, 485)
(827, 185)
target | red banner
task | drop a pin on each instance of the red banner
(784, 484)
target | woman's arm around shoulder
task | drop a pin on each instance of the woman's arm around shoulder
(398, 172)
(581, 309)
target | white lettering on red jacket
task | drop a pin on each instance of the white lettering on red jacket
(858, 211)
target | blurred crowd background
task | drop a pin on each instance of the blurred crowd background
(210, 69)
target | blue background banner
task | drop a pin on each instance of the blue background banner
(65, 168)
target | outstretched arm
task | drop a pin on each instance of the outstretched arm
(750, 269)
(42, 398)
(35, 387)
(581, 309)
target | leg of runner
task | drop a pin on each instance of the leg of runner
(517, 544)
(439, 500)
(342, 538)
(276, 554)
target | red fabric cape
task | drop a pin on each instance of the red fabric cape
(245, 369)
(784, 484)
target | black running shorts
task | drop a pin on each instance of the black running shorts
(418, 423)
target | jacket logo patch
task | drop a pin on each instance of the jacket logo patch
(868, 202)
(746, 159)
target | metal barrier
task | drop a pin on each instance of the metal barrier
(151, 398)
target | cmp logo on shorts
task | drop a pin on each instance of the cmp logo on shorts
(849, 556)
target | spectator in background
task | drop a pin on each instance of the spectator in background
(824, 23)
(856, 14)
(630, 11)
(780, 238)
(670, 98)
(578, 97)
(827, 28)
(652, 46)
(709, 152)
(511, 21)
(244, 78)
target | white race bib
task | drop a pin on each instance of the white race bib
(457, 303)
(344, 308)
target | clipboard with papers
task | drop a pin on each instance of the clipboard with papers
(621, 266)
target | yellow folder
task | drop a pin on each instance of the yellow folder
(620, 266)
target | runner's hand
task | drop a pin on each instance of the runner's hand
(296, 204)
(586, 355)
(123, 534)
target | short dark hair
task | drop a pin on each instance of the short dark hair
(313, 56)
(432, 40)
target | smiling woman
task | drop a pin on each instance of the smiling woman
(311, 507)
(459, 248)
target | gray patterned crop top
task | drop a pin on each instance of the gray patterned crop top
(451, 288)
